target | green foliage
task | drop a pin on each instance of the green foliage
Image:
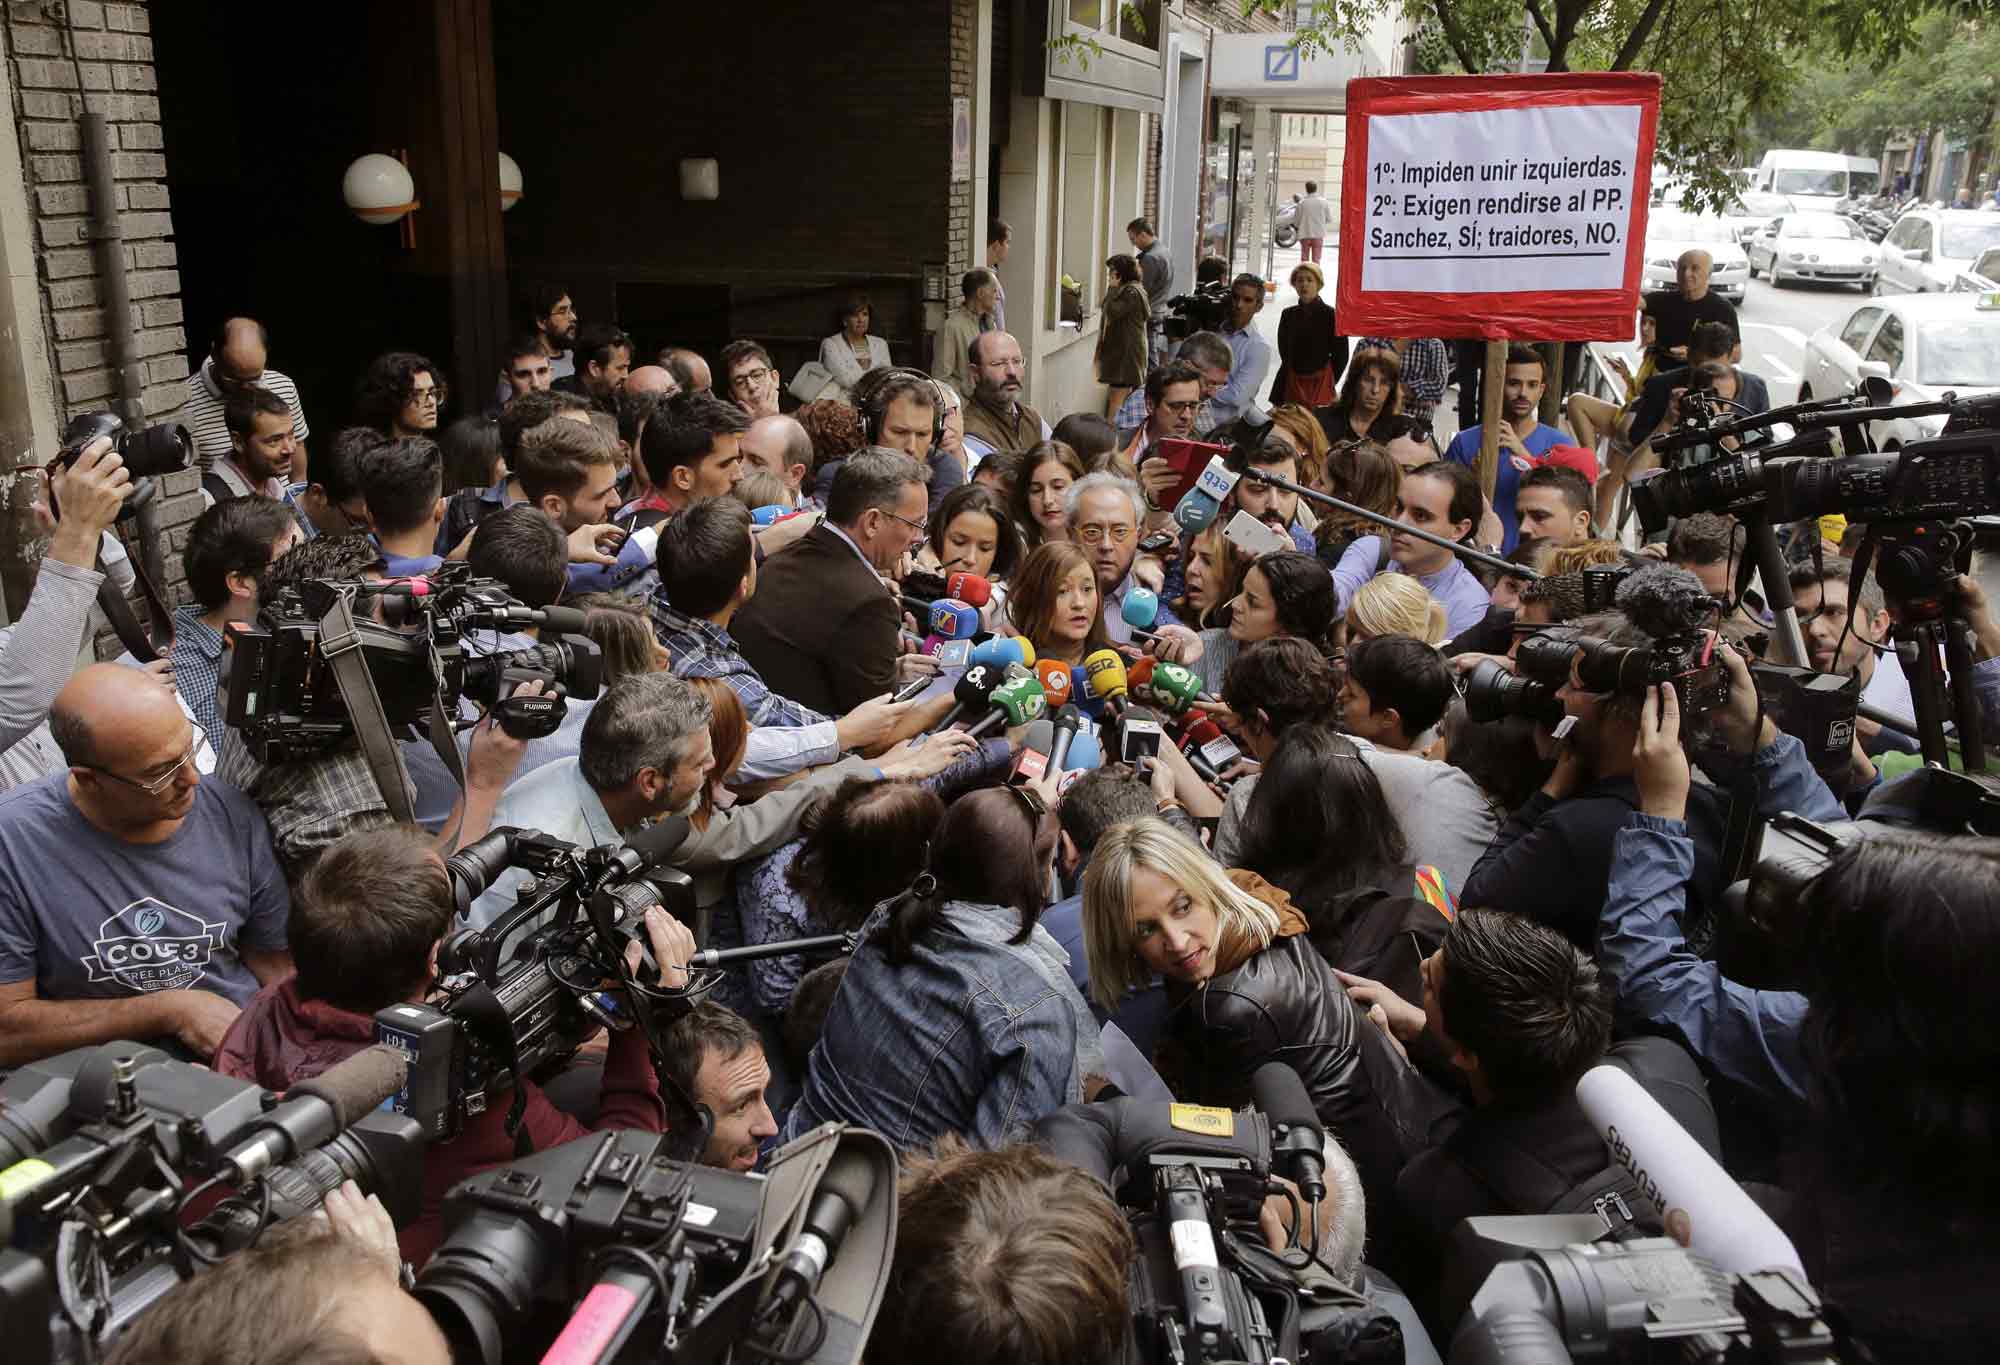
(1732, 69)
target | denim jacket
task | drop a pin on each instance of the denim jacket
(973, 1035)
(1749, 1038)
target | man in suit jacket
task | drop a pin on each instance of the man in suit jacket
(822, 627)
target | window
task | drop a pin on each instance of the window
(1134, 22)
(1858, 327)
(1888, 345)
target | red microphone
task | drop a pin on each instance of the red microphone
(969, 588)
(1207, 749)
(1140, 673)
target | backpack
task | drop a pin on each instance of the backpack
(1383, 932)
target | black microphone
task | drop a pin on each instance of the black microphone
(970, 694)
(1297, 1141)
(1069, 720)
(842, 1197)
(318, 1110)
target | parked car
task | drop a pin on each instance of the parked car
(1669, 234)
(1813, 246)
(1751, 210)
(1982, 275)
(1927, 248)
(1923, 345)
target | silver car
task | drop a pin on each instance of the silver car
(1926, 250)
(1813, 246)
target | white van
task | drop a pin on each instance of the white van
(1811, 180)
(1864, 176)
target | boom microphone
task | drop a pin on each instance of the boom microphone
(842, 1197)
(1298, 1144)
(318, 1110)
(1671, 1167)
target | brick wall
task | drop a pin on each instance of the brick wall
(113, 53)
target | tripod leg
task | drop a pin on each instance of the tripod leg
(1917, 649)
(1958, 658)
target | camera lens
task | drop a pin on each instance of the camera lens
(482, 1280)
(153, 451)
(1546, 657)
(1492, 693)
(1605, 667)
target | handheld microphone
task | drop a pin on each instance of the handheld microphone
(1173, 688)
(969, 588)
(767, 514)
(1729, 1229)
(636, 555)
(1200, 504)
(1297, 1141)
(842, 1197)
(1086, 751)
(1207, 747)
(1002, 650)
(1055, 678)
(1139, 735)
(1139, 610)
(971, 694)
(953, 620)
(1015, 702)
(316, 1111)
(1068, 721)
(1082, 694)
(1106, 672)
(1139, 677)
(1036, 750)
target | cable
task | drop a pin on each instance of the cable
(181, 1239)
(805, 1352)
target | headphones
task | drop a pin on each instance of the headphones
(875, 409)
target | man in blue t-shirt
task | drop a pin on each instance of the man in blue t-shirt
(1523, 440)
(137, 900)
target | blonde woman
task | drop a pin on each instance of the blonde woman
(1395, 604)
(1244, 987)
(1311, 350)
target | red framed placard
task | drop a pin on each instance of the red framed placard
(1456, 184)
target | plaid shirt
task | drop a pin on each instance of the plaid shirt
(1426, 370)
(1132, 415)
(702, 649)
(311, 803)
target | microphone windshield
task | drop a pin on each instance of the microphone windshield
(1106, 672)
(354, 1087)
(1280, 1096)
(969, 588)
(1140, 608)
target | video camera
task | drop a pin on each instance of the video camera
(521, 995)
(288, 701)
(1204, 1287)
(1204, 309)
(105, 1150)
(663, 1260)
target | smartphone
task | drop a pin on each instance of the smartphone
(914, 687)
(1254, 537)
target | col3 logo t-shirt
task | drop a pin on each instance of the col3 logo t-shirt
(89, 916)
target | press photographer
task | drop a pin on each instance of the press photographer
(370, 916)
(1887, 1059)
(1551, 859)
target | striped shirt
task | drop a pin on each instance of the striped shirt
(204, 411)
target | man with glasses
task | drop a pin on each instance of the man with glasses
(1213, 360)
(1105, 513)
(236, 355)
(823, 626)
(997, 419)
(136, 899)
(549, 319)
(1173, 396)
(752, 377)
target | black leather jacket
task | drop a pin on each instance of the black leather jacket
(1285, 1004)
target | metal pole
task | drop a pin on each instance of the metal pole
(109, 236)
(1465, 552)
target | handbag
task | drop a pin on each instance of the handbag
(810, 381)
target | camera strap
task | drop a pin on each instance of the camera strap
(117, 608)
(340, 646)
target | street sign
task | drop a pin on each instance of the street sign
(1496, 206)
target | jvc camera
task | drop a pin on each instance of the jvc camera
(1205, 309)
(286, 702)
(521, 995)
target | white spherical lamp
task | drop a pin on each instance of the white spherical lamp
(510, 183)
(378, 188)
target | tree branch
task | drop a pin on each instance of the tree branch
(1635, 41)
(1454, 36)
(1548, 36)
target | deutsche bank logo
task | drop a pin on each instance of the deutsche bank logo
(1281, 63)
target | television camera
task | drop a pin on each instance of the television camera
(106, 1151)
(317, 661)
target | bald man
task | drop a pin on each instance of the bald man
(236, 359)
(655, 380)
(779, 445)
(689, 370)
(1676, 311)
(136, 899)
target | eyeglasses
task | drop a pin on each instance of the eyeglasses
(920, 527)
(427, 398)
(750, 379)
(1177, 409)
(166, 779)
(1095, 535)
